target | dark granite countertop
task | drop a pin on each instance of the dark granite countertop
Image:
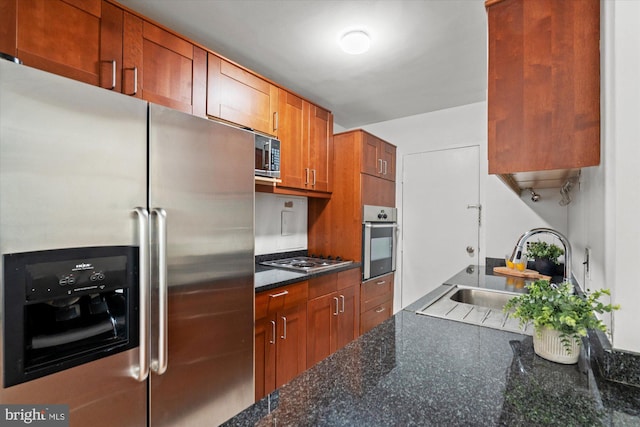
(420, 370)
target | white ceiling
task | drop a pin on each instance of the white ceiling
(425, 55)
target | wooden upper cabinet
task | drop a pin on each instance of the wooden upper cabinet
(544, 85)
(305, 132)
(97, 42)
(238, 96)
(293, 128)
(61, 37)
(320, 160)
(378, 157)
(162, 68)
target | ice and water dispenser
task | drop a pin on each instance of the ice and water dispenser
(66, 307)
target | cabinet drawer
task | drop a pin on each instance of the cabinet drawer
(376, 291)
(281, 298)
(349, 278)
(323, 285)
(375, 316)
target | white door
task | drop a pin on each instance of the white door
(440, 218)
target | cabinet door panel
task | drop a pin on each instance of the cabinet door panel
(320, 317)
(111, 43)
(166, 77)
(377, 191)
(372, 318)
(291, 358)
(49, 34)
(370, 163)
(321, 140)
(388, 153)
(292, 135)
(239, 96)
(544, 85)
(349, 310)
(265, 356)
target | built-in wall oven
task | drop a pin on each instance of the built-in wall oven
(379, 226)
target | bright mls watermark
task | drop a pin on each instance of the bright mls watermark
(34, 415)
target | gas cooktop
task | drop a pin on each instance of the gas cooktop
(306, 264)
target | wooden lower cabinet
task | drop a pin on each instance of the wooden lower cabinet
(280, 337)
(299, 325)
(376, 302)
(332, 318)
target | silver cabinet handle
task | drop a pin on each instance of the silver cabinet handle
(380, 310)
(342, 299)
(385, 167)
(337, 302)
(275, 121)
(113, 75)
(141, 372)
(284, 328)
(380, 163)
(279, 294)
(314, 177)
(135, 81)
(273, 332)
(381, 282)
(159, 364)
(306, 179)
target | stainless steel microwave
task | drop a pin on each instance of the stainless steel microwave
(267, 156)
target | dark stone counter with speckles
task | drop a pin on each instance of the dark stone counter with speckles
(424, 371)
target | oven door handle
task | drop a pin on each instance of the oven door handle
(381, 225)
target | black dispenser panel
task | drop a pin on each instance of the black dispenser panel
(66, 307)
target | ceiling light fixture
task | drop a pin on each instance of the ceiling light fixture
(355, 42)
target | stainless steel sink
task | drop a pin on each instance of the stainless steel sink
(476, 306)
(482, 298)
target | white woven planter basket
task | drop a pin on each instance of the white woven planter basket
(547, 344)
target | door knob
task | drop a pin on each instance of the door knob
(470, 250)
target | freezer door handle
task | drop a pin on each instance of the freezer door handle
(141, 372)
(159, 364)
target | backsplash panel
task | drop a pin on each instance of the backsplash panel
(281, 223)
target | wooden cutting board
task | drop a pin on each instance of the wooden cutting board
(529, 274)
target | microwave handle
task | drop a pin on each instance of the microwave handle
(267, 157)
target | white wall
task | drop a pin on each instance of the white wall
(505, 216)
(606, 213)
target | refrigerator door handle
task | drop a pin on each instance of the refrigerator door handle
(141, 372)
(159, 365)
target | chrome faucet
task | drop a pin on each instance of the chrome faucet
(517, 251)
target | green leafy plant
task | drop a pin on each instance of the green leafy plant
(556, 307)
(544, 250)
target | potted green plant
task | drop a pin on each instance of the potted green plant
(560, 317)
(545, 255)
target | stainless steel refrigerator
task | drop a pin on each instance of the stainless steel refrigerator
(81, 167)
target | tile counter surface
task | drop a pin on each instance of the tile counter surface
(420, 370)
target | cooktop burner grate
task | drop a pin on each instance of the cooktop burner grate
(306, 264)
